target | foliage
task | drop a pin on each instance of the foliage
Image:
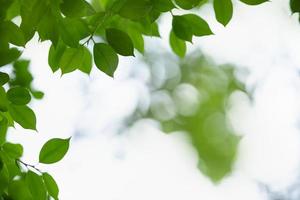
(116, 28)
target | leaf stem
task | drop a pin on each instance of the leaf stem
(29, 166)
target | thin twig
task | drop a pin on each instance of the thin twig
(29, 166)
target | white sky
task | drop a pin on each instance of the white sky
(147, 164)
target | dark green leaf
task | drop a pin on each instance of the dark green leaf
(182, 28)
(13, 32)
(3, 130)
(119, 41)
(295, 6)
(23, 115)
(163, 5)
(76, 8)
(254, 2)
(3, 100)
(86, 62)
(4, 78)
(13, 150)
(47, 28)
(51, 185)
(36, 186)
(135, 9)
(105, 58)
(177, 45)
(187, 4)
(223, 11)
(18, 95)
(54, 150)
(199, 25)
(37, 94)
(8, 56)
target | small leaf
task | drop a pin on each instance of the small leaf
(177, 45)
(76, 8)
(13, 150)
(105, 58)
(18, 95)
(253, 2)
(8, 56)
(223, 11)
(182, 28)
(36, 186)
(199, 25)
(51, 185)
(4, 78)
(14, 33)
(295, 6)
(187, 4)
(23, 115)
(135, 9)
(55, 54)
(119, 41)
(76, 58)
(54, 150)
(3, 100)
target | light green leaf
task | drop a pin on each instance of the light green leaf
(119, 41)
(51, 185)
(54, 150)
(18, 190)
(76, 8)
(105, 58)
(182, 28)
(75, 58)
(36, 186)
(72, 30)
(223, 11)
(4, 78)
(55, 54)
(47, 28)
(23, 115)
(177, 45)
(137, 39)
(254, 2)
(135, 9)
(199, 25)
(13, 32)
(18, 95)
(13, 150)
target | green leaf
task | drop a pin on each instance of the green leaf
(3, 100)
(223, 11)
(119, 41)
(135, 9)
(187, 4)
(3, 130)
(37, 94)
(55, 54)
(254, 2)
(18, 190)
(13, 32)
(8, 56)
(73, 30)
(86, 62)
(137, 39)
(23, 115)
(199, 25)
(295, 6)
(150, 29)
(54, 150)
(163, 5)
(36, 186)
(4, 78)
(13, 150)
(47, 28)
(182, 28)
(76, 8)
(76, 58)
(105, 58)
(51, 185)
(177, 45)
(18, 95)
